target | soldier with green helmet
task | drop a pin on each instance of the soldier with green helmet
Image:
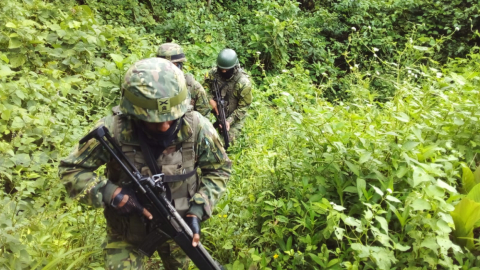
(235, 88)
(154, 111)
(174, 53)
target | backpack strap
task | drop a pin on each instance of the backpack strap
(188, 146)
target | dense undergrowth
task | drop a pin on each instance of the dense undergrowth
(361, 142)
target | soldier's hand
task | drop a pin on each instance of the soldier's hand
(213, 103)
(228, 125)
(125, 201)
(194, 224)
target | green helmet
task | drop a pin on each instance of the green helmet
(227, 59)
(154, 90)
(172, 52)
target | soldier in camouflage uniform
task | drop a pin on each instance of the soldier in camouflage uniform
(155, 107)
(236, 90)
(174, 53)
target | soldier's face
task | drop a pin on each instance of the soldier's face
(226, 73)
(158, 127)
(178, 64)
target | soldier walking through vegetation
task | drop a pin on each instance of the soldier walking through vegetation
(154, 112)
(174, 53)
(235, 88)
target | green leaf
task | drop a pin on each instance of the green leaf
(419, 176)
(443, 226)
(468, 180)
(392, 199)
(288, 246)
(465, 215)
(338, 207)
(409, 145)
(420, 48)
(282, 218)
(403, 117)
(401, 171)
(317, 259)
(350, 221)
(17, 60)
(383, 257)
(10, 25)
(14, 43)
(118, 59)
(350, 189)
(333, 263)
(22, 159)
(353, 168)
(431, 243)
(420, 204)
(474, 193)
(29, 23)
(383, 223)
(228, 245)
(400, 247)
(476, 175)
(20, 94)
(378, 191)
(365, 157)
(361, 186)
(17, 123)
(363, 251)
(256, 258)
(5, 71)
(65, 89)
(446, 186)
(4, 58)
(6, 114)
(237, 265)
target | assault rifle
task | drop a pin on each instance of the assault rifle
(152, 192)
(222, 120)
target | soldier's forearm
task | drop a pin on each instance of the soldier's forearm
(237, 115)
(82, 184)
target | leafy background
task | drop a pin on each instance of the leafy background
(360, 151)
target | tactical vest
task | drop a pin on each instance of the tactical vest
(175, 160)
(228, 91)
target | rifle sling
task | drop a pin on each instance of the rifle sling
(148, 155)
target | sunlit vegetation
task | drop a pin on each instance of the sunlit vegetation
(360, 151)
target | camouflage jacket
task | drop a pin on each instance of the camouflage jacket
(77, 171)
(237, 93)
(198, 95)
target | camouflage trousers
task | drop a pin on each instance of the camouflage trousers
(120, 255)
(235, 130)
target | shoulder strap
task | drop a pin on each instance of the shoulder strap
(147, 153)
(117, 123)
(188, 146)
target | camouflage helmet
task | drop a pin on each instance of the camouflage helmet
(227, 59)
(154, 90)
(172, 52)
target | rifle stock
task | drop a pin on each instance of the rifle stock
(167, 222)
(221, 113)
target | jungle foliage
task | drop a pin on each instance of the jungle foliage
(360, 151)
